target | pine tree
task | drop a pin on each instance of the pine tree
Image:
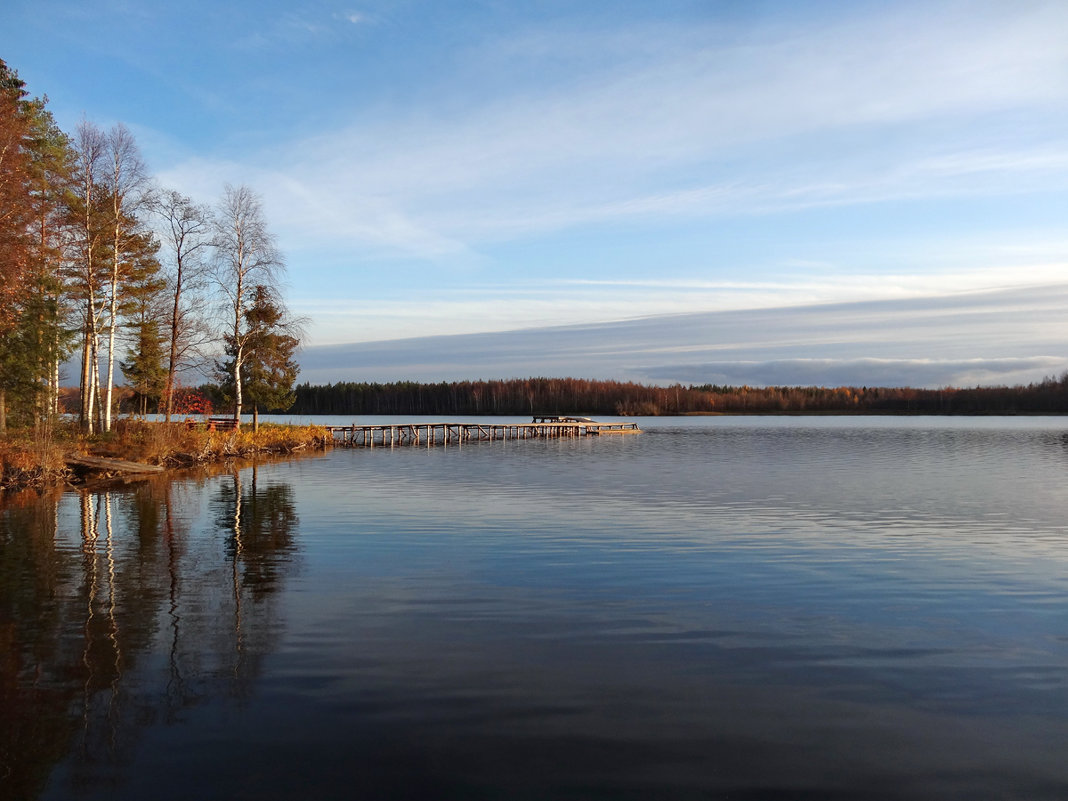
(143, 368)
(15, 215)
(143, 308)
(51, 164)
(268, 369)
(34, 159)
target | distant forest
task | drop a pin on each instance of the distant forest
(578, 396)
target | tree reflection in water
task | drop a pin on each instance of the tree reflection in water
(121, 609)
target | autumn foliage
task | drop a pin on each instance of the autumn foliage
(191, 402)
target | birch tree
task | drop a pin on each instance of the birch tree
(186, 230)
(89, 242)
(126, 180)
(246, 256)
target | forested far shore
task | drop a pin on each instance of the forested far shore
(581, 396)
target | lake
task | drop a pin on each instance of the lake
(731, 607)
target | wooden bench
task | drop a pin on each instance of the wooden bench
(213, 423)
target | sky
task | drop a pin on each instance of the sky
(728, 191)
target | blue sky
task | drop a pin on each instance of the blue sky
(837, 182)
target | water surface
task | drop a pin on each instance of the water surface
(719, 608)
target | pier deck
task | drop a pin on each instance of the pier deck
(430, 434)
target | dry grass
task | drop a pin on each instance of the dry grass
(198, 445)
(177, 443)
(27, 459)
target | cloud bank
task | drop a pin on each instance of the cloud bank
(925, 342)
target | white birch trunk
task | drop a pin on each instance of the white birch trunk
(94, 382)
(239, 349)
(53, 389)
(111, 343)
(238, 361)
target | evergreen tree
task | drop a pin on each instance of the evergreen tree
(34, 161)
(143, 368)
(143, 309)
(16, 212)
(16, 199)
(17, 373)
(52, 339)
(268, 369)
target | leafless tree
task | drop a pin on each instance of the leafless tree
(186, 230)
(90, 147)
(126, 180)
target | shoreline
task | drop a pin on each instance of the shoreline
(136, 448)
(29, 461)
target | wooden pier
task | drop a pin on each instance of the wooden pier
(431, 434)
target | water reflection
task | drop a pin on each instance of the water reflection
(260, 522)
(108, 601)
(778, 611)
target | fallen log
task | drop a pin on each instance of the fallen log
(111, 465)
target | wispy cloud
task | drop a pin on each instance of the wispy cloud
(352, 17)
(560, 130)
(639, 138)
(295, 28)
(708, 183)
(855, 286)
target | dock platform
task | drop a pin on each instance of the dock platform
(431, 434)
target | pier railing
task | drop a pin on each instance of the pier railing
(430, 434)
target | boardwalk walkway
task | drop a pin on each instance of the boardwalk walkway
(430, 434)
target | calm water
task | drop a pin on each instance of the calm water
(744, 608)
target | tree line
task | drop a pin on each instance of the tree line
(579, 396)
(97, 259)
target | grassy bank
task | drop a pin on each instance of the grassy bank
(29, 459)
